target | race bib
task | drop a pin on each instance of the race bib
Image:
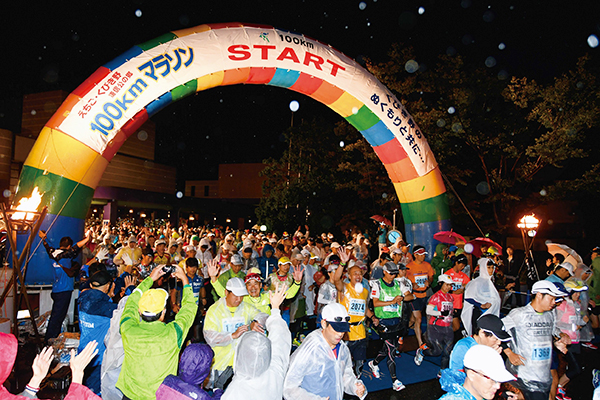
(541, 353)
(357, 307)
(230, 325)
(390, 308)
(420, 280)
(456, 285)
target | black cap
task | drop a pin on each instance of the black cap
(596, 250)
(390, 268)
(492, 324)
(100, 278)
(461, 259)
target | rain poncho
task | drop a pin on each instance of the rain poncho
(309, 281)
(261, 363)
(220, 322)
(586, 334)
(315, 373)
(439, 263)
(532, 339)
(594, 282)
(569, 319)
(151, 348)
(194, 367)
(113, 356)
(9, 347)
(482, 290)
(458, 392)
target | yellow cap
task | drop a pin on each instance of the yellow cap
(153, 302)
(284, 260)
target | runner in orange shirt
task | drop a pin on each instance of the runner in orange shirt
(420, 274)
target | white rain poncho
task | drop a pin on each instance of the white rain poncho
(586, 334)
(260, 362)
(532, 339)
(309, 280)
(315, 373)
(220, 323)
(113, 356)
(482, 290)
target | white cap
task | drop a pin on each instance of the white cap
(336, 315)
(396, 251)
(487, 361)
(189, 247)
(547, 287)
(305, 253)
(335, 245)
(236, 259)
(237, 287)
(299, 256)
(160, 241)
(445, 278)
(568, 266)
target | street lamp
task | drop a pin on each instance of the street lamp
(24, 218)
(529, 224)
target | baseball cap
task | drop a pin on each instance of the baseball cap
(445, 278)
(385, 256)
(396, 251)
(575, 285)
(254, 270)
(210, 234)
(299, 256)
(100, 278)
(132, 239)
(195, 237)
(335, 245)
(390, 268)
(237, 287)
(253, 276)
(492, 324)
(236, 259)
(152, 302)
(596, 250)
(452, 248)
(189, 247)
(284, 260)
(568, 266)
(160, 241)
(487, 361)
(547, 287)
(305, 253)
(420, 250)
(461, 259)
(336, 315)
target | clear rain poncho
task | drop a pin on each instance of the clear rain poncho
(532, 339)
(586, 334)
(261, 363)
(482, 290)
(315, 373)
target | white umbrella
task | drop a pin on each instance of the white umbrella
(570, 254)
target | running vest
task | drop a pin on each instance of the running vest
(356, 304)
(387, 293)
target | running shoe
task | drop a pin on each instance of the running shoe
(439, 374)
(589, 345)
(596, 378)
(375, 369)
(398, 386)
(419, 354)
(561, 394)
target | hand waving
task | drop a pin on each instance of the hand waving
(297, 273)
(213, 268)
(278, 296)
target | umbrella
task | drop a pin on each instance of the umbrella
(480, 241)
(379, 218)
(449, 237)
(570, 254)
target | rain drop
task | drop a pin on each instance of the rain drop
(456, 127)
(314, 193)
(502, 75)
(6, 193)
(543, 192)
(550, 222)
(501, 46)
(579, 85)
(33, 112)
(465, 3)
(142, 135)
(451, 110)
(138, 13)
(411, 66)
(483, 188)
(421, 10)
(342, 144)
(467, 40)
(362, 5)
(488, 16)
(451, 51)
(441, 122)
(490, 62)
(207, 136)
(592, 41)
(179, 195)
(294, 105)
(75, 37)
(384, 195)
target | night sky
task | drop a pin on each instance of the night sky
(55, 45)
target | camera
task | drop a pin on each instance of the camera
(169, 269)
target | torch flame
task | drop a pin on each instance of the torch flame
(28, 204)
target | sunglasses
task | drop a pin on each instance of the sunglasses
(479, 373)
(341, 319)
